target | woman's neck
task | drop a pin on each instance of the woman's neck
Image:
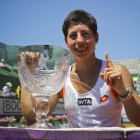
(87, 67)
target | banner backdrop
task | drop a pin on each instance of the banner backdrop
(12, 107)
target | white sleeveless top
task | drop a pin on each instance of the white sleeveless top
(99, 107)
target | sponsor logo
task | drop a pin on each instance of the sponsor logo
(104, 98)
(84, 102)
(11, 106)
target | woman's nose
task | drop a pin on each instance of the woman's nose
(80, 39)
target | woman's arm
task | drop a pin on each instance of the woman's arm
(118, 77)
(132, 107)
(27, 102)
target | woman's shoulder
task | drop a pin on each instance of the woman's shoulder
(120, 67)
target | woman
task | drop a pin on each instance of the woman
(95, 89)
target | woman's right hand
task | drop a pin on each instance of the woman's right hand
(32, 60)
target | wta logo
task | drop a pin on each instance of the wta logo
(84, 102)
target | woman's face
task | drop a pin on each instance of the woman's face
(81, 41)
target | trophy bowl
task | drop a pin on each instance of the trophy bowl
(42, 70)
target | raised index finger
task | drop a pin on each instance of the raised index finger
(110, 64)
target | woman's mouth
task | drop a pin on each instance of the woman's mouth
(81, 49)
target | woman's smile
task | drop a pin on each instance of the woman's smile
(81, 49)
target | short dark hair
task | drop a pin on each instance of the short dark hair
(80, 16)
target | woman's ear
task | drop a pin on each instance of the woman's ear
(66, 43)
(96, 37)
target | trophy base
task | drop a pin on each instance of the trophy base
(41, 126)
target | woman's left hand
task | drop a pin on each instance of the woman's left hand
(113, 77)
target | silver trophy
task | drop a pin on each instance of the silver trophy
(43, 70)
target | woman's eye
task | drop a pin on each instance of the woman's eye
(73, 35)
(85, 33)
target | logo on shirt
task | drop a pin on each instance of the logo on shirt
(104, 98)
(84, 102)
